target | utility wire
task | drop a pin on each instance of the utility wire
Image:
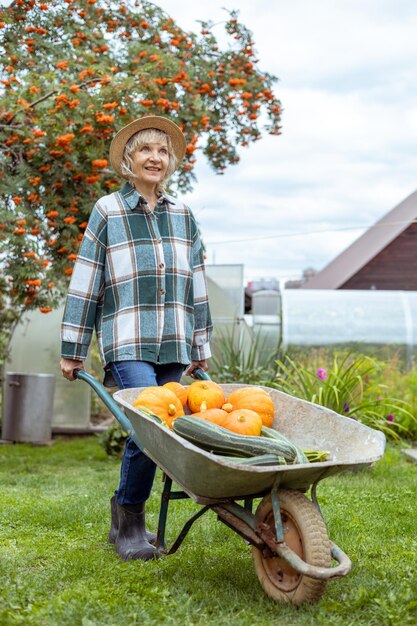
(308, 232)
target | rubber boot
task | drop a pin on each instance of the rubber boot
(131, 542)
(114, 525)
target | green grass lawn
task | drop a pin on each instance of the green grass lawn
(56, 567)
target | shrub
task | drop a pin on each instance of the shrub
(113, 440)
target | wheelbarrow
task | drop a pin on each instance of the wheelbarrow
(292, 553)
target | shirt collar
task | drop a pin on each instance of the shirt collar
(133, 198)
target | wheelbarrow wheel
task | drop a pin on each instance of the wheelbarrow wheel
(306, 534)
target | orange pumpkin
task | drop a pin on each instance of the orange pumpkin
(217, 416)
(205, 394)
(243, 422)
(179, 390)
(161, 401)
(253, 398)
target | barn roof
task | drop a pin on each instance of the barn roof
(364, 249)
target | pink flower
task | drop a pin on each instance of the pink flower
(321, 373)
(390, 417)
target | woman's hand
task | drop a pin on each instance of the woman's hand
(68, 366)
(194, 365)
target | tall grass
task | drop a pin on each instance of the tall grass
(248, 359)
(350, 385)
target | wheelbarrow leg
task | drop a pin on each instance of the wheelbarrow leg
(248, 504)
(167, 495)
(163, 512)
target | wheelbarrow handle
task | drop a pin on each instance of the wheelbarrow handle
(201, 374)
(110, 403)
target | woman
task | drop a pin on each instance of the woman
(139, 281)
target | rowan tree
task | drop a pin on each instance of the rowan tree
(74, 72)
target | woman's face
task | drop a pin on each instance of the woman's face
(150, 163)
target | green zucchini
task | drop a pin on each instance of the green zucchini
(271, 433)
(262, 459)
(219, 440)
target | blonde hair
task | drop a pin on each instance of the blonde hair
(139, 139)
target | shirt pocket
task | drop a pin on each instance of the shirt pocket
(181, 257)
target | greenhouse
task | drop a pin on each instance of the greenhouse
(345, 318)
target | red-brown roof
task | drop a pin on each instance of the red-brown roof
(364, 249)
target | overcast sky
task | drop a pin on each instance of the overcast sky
(347, 155)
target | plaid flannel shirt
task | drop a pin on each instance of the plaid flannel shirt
(139, 280)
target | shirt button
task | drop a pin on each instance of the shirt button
(161, 265)
(159, 241)
(162, 291)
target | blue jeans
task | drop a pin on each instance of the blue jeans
(138, 471)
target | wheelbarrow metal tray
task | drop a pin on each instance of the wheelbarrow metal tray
(207, 478)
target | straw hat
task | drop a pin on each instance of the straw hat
(118, 144)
